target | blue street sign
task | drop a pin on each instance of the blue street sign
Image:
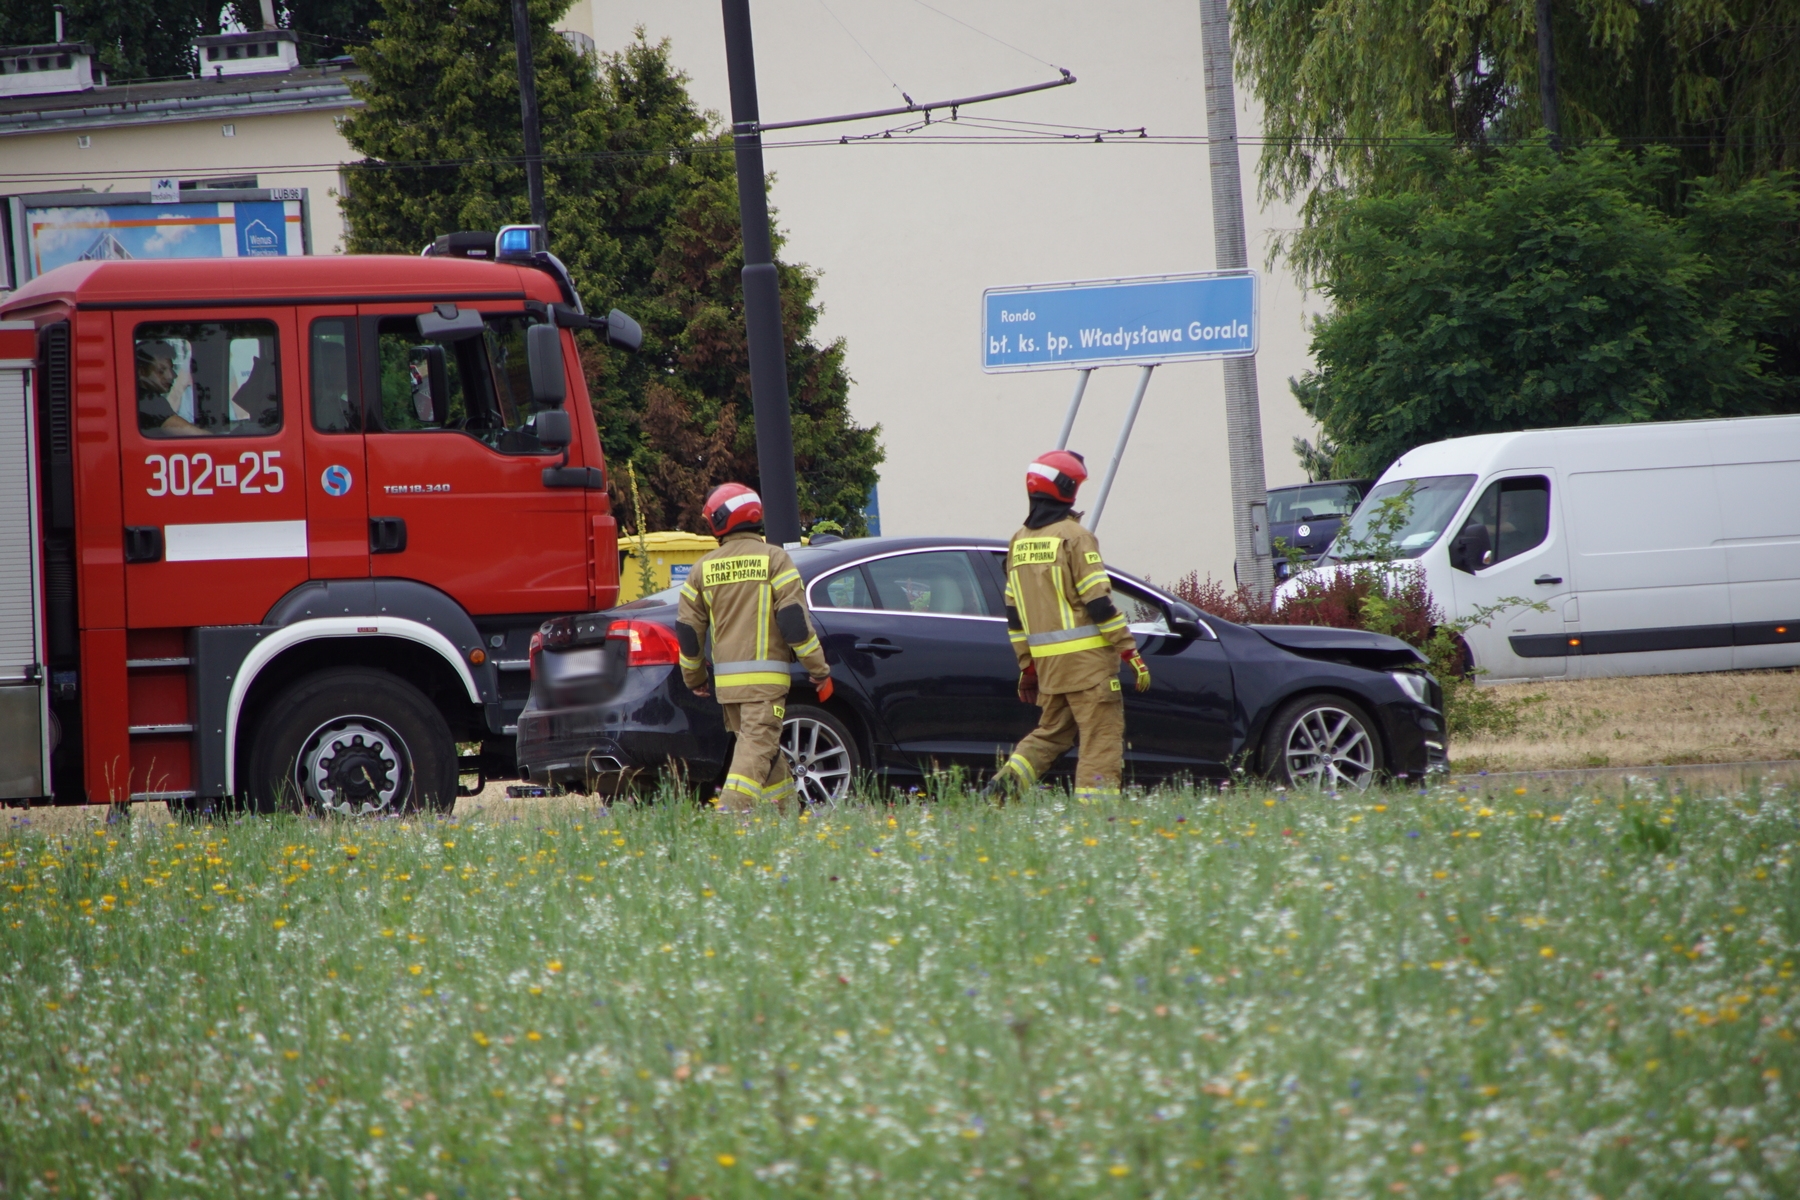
(1111, 322)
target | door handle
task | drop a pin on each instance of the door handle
(143, 543)
(881, 647)
(1548, 579)
(387, 535)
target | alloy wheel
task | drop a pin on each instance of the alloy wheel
(1328, 748)
(817, 758)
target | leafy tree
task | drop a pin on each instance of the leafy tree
(1346, 84)
(1519, 290)
(642, 206)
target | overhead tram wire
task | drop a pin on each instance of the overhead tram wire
(1137, 137)
(984, 33)
(865, 50)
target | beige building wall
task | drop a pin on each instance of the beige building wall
(907, 236)
(127, 158)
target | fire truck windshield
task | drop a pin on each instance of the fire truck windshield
(478, 385)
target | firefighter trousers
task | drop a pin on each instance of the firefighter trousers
(759, 770)
(1095, 715)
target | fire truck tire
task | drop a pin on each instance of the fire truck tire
(352, 741)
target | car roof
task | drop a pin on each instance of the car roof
(813, 560)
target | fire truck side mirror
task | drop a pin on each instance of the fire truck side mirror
(554, 432)
(623, 332)
(544, 356)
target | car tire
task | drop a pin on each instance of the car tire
(822, 754)
(353, 742)
(1325, 742)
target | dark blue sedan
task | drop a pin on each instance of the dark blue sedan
(915, 631)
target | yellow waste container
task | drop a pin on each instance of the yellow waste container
(671, 554)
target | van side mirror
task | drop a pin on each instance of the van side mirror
(1184, 621)
(554, 430)
(1471, 550)
(544, 358)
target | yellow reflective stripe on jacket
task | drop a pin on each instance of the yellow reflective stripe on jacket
(1117, 621)
(1061, 635)
(687, 589)
(1097, 642)
(750, 673)
(1087, 581)
(808, 646)
(791, 575)
(690, 664)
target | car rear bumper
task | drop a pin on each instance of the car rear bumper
(651, 723)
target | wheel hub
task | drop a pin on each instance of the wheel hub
(353, 765)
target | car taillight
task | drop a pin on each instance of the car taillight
(647, 644)
(537, 646)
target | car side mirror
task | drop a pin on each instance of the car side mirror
(1471, 550)
(1184, 621)
(554, 429)
(544, 358)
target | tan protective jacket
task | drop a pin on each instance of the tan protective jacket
(1051, 575)
(737, 593)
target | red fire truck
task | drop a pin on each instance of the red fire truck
(280, 530)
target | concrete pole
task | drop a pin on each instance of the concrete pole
(1243, 410)
(528, 117)
(776, 482)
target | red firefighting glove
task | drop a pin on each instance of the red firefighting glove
(1136, 662)
(824, 688)
(1028, 685)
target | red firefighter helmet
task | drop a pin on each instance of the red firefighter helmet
(732, 506)
(1056, 475)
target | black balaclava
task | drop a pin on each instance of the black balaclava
(1046, 510)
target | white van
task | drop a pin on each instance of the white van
(1658, 548)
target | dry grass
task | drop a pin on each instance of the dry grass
(1737, 716)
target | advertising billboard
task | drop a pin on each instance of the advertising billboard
(50, 231)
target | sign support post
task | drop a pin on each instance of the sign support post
(1081, 382)
(1112, 468)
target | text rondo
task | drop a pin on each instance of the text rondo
(1164, 318)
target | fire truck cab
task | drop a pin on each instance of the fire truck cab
(280, 530)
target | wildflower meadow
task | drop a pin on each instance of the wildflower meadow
(1187, 993)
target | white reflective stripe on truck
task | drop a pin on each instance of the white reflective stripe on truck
(234, 540)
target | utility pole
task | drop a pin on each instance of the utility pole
(762, 292)
(528, 116)
(1243, 409)
(1547, 77)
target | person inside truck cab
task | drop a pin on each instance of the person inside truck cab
(155, 379)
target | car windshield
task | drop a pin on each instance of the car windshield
(1314, 502)
(1408, 514)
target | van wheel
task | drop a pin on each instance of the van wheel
(353, 742)
(1323, 742)
(821, 754)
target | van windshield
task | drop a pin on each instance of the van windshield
(1418, 512)
(1314, 502)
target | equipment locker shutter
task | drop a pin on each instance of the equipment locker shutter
(21, 694)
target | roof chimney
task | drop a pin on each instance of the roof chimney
(268, 14)
(58, 10)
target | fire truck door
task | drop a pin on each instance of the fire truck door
(336, 477)
(456, 474)
(210, 422)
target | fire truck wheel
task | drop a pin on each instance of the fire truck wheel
(354, 742)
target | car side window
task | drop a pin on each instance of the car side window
(940, 582)
(1516, 514)
(1143, 612)
(208, 377)
(846, 589)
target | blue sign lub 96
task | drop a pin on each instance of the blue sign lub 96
(1107, 322)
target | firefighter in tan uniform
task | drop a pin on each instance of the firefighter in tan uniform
(748, 595)
(1069, 638)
